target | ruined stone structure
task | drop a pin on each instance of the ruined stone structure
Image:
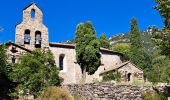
(31, 33)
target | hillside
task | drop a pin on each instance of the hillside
(124, 37)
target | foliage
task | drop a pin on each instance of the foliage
(112, 76)
(104, 42)
(124, 49)
(153, 96)
(137, 82)
(87, 48)
(135, 38)
(35, 71)
(163, 6)
(138, 56)
(161, 38)
(54, 93)
(3, 60)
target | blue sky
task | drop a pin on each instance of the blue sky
(62, 16)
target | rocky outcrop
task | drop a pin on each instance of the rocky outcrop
(107, 91)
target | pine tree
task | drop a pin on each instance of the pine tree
(87, 49)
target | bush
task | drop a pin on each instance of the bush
(54, 93)
(111, 76)
(153, 96)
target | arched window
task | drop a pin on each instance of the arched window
(38, 39)
(27, 36)
(33, 13)
(61, 62)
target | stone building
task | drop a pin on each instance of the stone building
(127, 70)
(31, 33)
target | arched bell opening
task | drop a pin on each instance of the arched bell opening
(27, 37)
(38, 39)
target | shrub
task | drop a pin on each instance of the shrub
(112, 76)
(153, 96)
(54, 93)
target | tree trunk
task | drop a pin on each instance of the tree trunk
(84, 75)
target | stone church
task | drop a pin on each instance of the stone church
(31, 33)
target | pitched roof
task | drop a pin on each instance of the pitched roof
(118, 66)
(33, 3)
(72, 46)
(11, 43)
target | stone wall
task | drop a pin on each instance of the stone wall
(108, 91)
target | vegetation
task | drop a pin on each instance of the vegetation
(163, 6)
(104, 42)
(112, 76)
(124, 49)
(35, 71)
(138, 55)
(153, 96)
(3, 60)
(54, 93)
(87, 49)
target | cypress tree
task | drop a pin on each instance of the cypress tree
(139, 56)
(135, 38)
(87, 49)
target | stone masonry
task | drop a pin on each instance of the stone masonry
(108, 91)
(32, 24)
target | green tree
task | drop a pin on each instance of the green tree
(87, 49)
(135, 37)
(104, 42)
(161, 38)
(163, 6)
(139, 56)
(124, 49)
(35, 71)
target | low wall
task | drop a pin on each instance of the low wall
(108, 91)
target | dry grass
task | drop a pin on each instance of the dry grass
(55, 93)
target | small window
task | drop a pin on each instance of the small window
(33, 13)
(61, 62)
(27, 37)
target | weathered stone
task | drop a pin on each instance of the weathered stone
(135, 92)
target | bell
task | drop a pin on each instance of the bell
(37, 42)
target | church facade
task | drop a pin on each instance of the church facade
(31, 33)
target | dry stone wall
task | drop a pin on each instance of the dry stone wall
(108, 91)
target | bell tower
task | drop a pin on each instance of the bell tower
(31, 33)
